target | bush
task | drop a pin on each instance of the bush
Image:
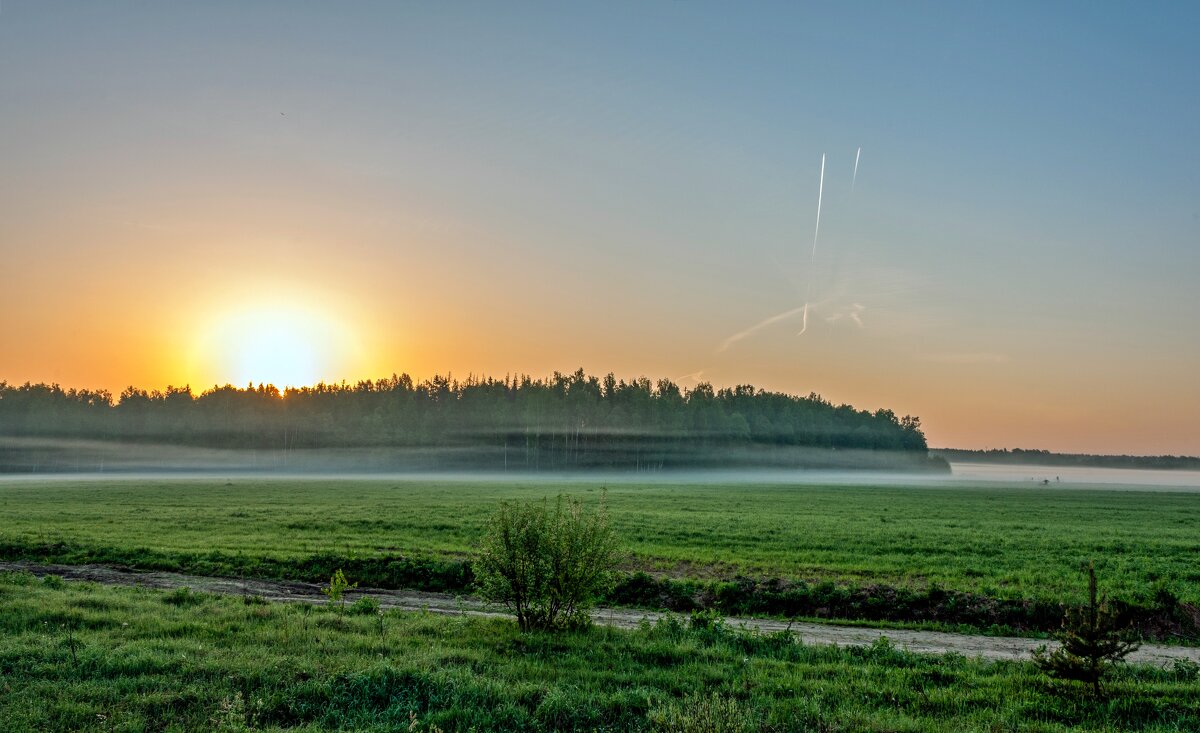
(336, 590)
(548, 566)
(365, 606)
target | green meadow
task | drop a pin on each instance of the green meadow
(82, 657)
(1010, 543)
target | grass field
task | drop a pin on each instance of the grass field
(76, 656)
(1015, 543)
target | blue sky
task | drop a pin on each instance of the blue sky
(625, 187)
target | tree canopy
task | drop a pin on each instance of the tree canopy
(565, 420)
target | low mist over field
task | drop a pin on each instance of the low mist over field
(36, 455)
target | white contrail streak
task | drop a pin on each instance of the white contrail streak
(855, 176)
(812, 264)
(802, 310)
(820, 193)
(759, 326)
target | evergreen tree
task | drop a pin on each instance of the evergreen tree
(1092, 641)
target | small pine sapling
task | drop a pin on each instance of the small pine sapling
(1091, 642)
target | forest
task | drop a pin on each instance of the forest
(566, 420)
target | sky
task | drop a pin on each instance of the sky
(202, 193)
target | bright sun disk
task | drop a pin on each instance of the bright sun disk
(280, 345)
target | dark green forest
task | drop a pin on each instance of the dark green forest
(567, 420)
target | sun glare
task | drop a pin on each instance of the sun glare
(280, 345)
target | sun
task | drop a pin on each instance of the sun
(283, 344)
(279, 348)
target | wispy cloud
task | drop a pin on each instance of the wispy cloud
(853, 313)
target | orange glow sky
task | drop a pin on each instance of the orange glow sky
(205, 195)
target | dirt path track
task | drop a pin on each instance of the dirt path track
(929, 642)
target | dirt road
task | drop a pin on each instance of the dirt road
(928, 642)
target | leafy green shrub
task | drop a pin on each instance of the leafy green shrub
(1185, 670)
(1092, 642)
(336, 590)
(365, 606)
(882, 649)
(53, 581)
(710, 620)
(547, 565)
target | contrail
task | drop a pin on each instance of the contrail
(812, 265)
(760, 326)
(820, 193)
(802, 310)
(855, 176)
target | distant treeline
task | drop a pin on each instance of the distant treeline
(568, 420)
(1046, 458)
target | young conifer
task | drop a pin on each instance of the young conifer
(1091, 640)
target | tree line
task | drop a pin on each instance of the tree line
(1033, 456)
(564, 420)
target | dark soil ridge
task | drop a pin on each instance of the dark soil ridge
(923, 642)
(1165, 618)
